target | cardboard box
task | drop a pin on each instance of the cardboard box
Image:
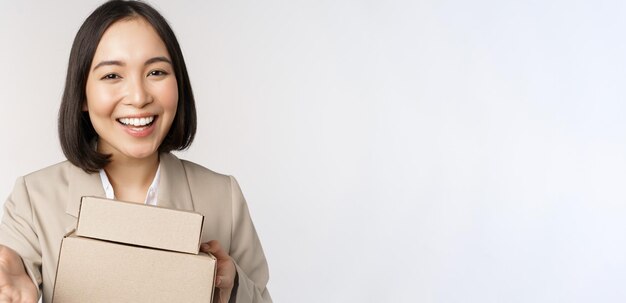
(96, 270)
(139, 224)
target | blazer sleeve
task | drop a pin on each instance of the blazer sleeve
(246, 251)
(17, 231)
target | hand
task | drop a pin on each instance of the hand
(226, 271)
(15, 284)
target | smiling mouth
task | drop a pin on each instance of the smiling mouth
(137, 122)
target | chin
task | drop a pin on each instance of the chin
(141, 154)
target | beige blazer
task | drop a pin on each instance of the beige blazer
(43, 207)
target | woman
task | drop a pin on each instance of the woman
(127, 104)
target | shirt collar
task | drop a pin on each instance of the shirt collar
(151, 195)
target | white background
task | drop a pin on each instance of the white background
(390, 151)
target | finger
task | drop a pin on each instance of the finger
(207, 248)
(218, 281)
(204, 247)
(223, 282)
(216, 249)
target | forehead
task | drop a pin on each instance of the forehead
(129, 40)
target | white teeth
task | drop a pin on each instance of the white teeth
(136, 121)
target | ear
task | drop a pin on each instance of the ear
(85, 107)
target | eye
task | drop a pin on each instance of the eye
(110, 77)
(157, 73)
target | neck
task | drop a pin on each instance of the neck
(132, 177)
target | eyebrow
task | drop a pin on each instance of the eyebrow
(120, 63)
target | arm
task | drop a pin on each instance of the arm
(15, 284)
(247, 253)
(242, 272)
(20, 257)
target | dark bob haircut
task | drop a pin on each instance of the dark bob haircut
(75, 129)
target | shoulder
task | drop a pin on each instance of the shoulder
(200, 177)
(197, 173)
(211, 192)
(195, 169)
(58, 172)
(45, 190)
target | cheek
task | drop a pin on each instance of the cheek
(169, 97)
(97, 106)
(100, 101)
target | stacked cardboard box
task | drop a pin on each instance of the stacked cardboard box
(128, 252)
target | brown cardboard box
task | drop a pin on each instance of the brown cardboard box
(139, 224)
(93, 270)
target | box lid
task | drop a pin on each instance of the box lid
(139, 224)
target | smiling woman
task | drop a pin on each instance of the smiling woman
(132, 96)
(127, 103)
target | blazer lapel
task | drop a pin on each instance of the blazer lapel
(82, 184)
(173, 186)
(174, 189)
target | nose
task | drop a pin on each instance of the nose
(138, 94)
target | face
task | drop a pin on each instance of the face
(132, 92)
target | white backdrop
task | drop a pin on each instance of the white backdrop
(390, 151)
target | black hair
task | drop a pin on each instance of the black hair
(76, 132)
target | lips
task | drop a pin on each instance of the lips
(137, 122)
(138, 126)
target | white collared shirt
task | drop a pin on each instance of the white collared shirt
(151, 196)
